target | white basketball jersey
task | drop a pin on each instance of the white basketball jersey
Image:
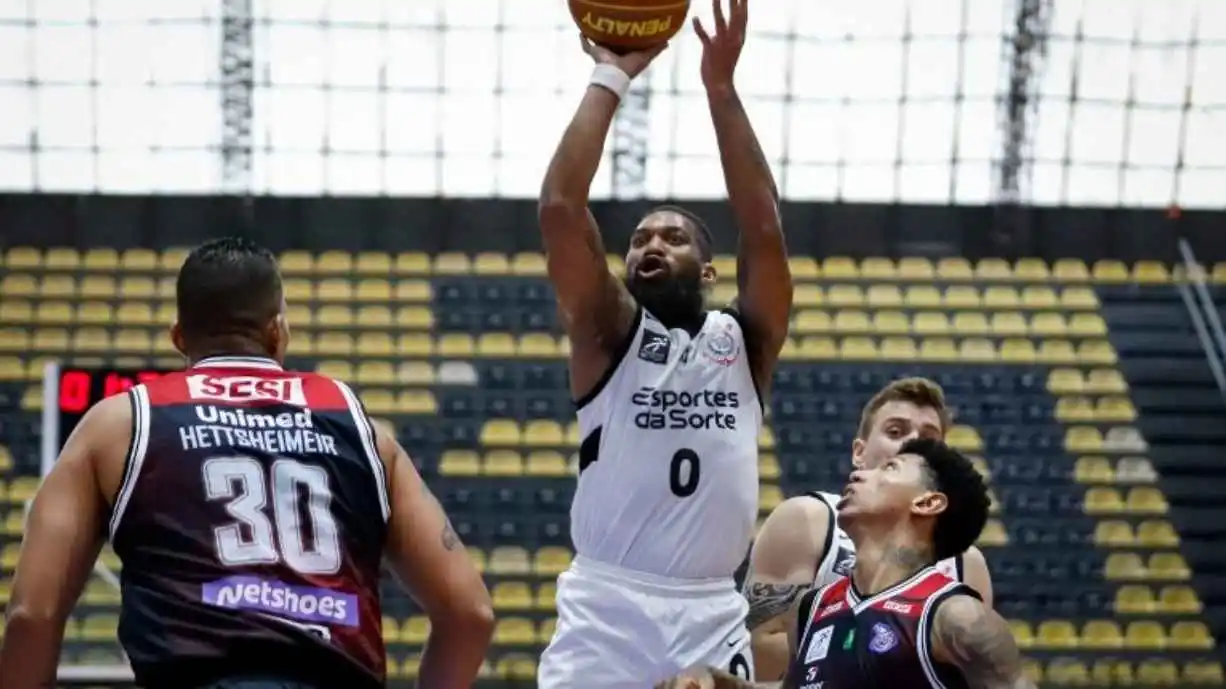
(668, 481)
(840, 554)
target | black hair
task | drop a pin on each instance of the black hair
(228, 288)
(701, 232)
(953, 474)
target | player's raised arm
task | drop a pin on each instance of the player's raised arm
(764, 281)
(969, 635)
(64, 532)
(597, 310)
(427, 555)
(781, 569)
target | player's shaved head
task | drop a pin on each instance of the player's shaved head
(230, 300)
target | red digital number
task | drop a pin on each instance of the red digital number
(147, 376)
(115, 384)
(74, 391)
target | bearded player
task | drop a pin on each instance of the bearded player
(252, 508)
(897, 621)
(801, 546)
(669, 396)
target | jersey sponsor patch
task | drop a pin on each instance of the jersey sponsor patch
(654, 347)
(819, 645)
(277, 598)
(246, 389)
(722, 348)
(883, 640)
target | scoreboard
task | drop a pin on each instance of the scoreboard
(69, 392)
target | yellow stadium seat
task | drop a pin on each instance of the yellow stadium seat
(379, 317)
(1179, 600)
(379, 401)
(964, 438)
(334, 262)
(930, 323)
(993, 535)
(769, 497)
(63, 286)
(1093, 469)
(858, 348)
(546, 463)
(512, 595)
(1124, 567)
(1078, 298)
(489, 263)
(418, 402)
(1067, 672)
(999, 297)
(922, 297)
(503, 463)
(508, 560)
(546, 596)
(138, 260)
(528, 264)
(14, 311)
(373, 290)
(1109, 270)
(898, 349)
(496, 345)
(1101, 635)
(1048, 324)
(878, 268)
(1134, 599)
(1100, 500)
(1039, 298)
(130, 313)
(884, 296)
(1031, 270)
(49, 340)
(297, 290)
(1115, 410)
(137, 288)
(452, 263)
(1032, 670)
(768, 467)
(342, 370)
(812, 321)
(416, 373)
(1065, 381)
(1110, 672)
(500, 432)
(100, 260)
(334, 316)
(373, 263)
(993, 269)
(722, 294)
(1008, 323)
(1017, 350)
(962, 297)
(1157, 672)
(20, 286)
(99, 627)
(1070, 270)
(415, 630)
(1157, 533)
(334, 290)
(1146, 500)
(725, 267)
(133, 341)
(840, 268)
(171, 260)
(1087, 325)
(1074, 410)
(1114, 533)
(803, 268)
(1056, 352)
(1167, 566)
(515, 668)
(412, 263)
(456, 345)
(91, 340)
(11, 369)
(891, 323)
(1203, 673)
(1144, 635)
(915, 268)
(54, 313)
(976, 349)
(59, 258)
(412, 291)
(543, 433)
(1055, 635)
(847, 321)
(24, 257)
(1096, 352)
(551, 561)
(968, 323)
(297, 263)
(845, 295)
(391, 630)
(1083, 439)
(954, 268)
(334, 344)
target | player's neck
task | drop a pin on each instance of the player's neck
(244, 351)
(883, 563)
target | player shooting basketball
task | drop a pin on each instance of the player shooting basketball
(670, 395)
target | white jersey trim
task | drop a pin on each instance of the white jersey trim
(923, 644)
(366, 432)
(138, 397)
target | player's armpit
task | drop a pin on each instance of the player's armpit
(426, 554)
(64, 532)
(967, 634)
(975, 574)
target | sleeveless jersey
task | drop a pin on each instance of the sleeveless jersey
(250, 522)
(852, 642)
(839, 557)
(668, 465)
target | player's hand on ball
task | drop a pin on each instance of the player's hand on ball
(722, 49)
(632, 63)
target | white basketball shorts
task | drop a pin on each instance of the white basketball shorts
(619, 629)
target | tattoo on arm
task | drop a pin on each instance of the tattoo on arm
(979, 642)
(450, 539)
(768, 601)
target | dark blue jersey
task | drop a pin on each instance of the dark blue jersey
(251, 522)
(852, 642)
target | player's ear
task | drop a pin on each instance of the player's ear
(929, 504)
(278, 336)
(176, 338)
(709, 275)
(857, 452)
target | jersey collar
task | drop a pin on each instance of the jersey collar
(256, 362)
(856, 603)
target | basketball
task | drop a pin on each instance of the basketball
(628, 25)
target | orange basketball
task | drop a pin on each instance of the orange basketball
(626, 25)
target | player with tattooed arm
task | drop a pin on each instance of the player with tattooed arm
(801, 546)
(252, 508)
(897, 621)
(669, 395)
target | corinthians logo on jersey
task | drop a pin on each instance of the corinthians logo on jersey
(671, 410)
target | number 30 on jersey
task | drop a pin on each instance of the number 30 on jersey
(260, 536)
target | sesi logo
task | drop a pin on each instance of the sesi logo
(246, 389)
